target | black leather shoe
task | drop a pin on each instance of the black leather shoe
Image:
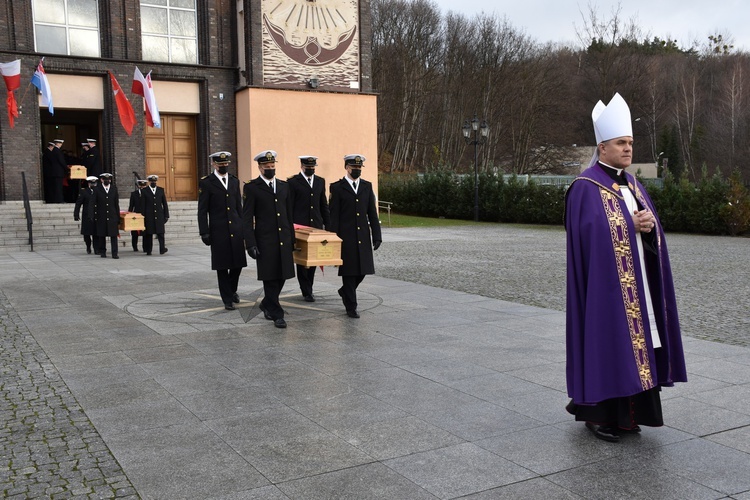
(265, 313)
(279, 323)
(162, 252)
(135, 249)
(148, 253)
(103, 255)
(88, 250)
(236, 298)
(604, 432)
(229, 306)
(115, 256)
(309, 298)
(352, 313)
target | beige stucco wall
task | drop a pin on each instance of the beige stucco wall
(76, 92)
(295, 123)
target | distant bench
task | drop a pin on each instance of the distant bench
(385, 205)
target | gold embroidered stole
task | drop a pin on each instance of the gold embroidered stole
(628, 284)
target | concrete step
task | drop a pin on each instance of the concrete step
(55, 228)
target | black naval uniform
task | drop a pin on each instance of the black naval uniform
(310, 208)
(219, 215)
(92, 160)
(104, 210)
(354, 217)
(267, 220)
(54, 167)
(85, 195)
(155, 215)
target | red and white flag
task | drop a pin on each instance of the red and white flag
(12, 75)
(124, 109)
(143, 87)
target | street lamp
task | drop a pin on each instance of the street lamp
(479, 137)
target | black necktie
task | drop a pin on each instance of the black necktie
(354, 185)
(224, 180)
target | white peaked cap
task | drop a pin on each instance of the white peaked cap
(612, 120)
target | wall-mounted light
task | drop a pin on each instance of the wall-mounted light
(221, 96)
(313, 83)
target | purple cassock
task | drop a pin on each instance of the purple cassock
(610, 353)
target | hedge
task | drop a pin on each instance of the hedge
(712, 205)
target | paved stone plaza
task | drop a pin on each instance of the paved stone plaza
(128, 379)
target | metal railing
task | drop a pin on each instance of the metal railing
(27, 209)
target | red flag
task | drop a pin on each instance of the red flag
(12, 75)
(124, 109)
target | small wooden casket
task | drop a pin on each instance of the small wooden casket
(317, 247)
(132, 221)
(77, 172)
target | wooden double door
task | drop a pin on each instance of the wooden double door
(171, 154)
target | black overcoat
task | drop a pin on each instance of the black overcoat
(135, 201)
(85, 195)
(220, 216)
(309, 203)
(267, 220)
(92, 160)
(104, 209)
(154, 209)
(353, 217)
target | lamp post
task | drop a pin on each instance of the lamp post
(481, 131)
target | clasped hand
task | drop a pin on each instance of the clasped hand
(644, 221)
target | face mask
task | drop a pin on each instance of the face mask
(153, 184)
(309, 172)
(106, 182)
(355, 173)
(269, 173)
(223, 170)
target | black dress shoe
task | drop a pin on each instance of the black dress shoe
(88, 250)
(135, 249)
(279, 323)
(604, 432)
(265, 313)
(352, 313)
(236, 298)
(309, 298)
(103, 255)
(229, 306)
(115, 256)
(148, 253)
(162, 252)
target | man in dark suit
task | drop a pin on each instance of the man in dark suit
(310, 208)
(269, 233)
(135, 206)
(84, 200)
(104, 210)
(155, 215)
(220, 226)
(354, 217)
(54, 168)
(92, 159)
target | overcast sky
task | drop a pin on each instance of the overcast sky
(681, 20)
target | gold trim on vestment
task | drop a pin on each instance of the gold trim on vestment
(629, 285)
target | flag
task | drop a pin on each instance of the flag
(124, 109)
(39, 80)
(12, 75)
(142, 86)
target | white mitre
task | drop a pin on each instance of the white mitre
(611, 121)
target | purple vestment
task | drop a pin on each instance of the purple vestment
(609, 348)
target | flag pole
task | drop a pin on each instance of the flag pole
(20, 104)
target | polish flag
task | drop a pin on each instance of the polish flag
(142, 86)
(12, 75)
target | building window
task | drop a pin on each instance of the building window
(169, 31)
(68, 27)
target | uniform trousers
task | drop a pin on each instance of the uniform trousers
(228, 281)
(87, 240)
(101, 243)
(134, 239)
(305, 277)
(270, 302)
(148, 242)
(348, 291)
